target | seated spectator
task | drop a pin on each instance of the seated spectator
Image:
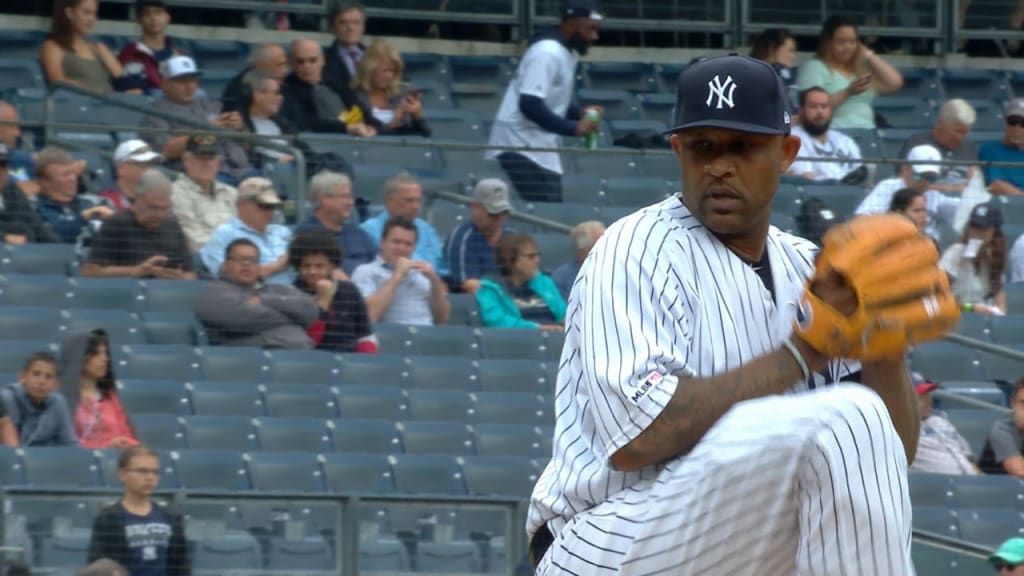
(949, 136)
(469, 249)
(20, 163)
(257, 202)
(910, 203)
(309, 104)
(330, 193)
(1004, 450)
(38, 412)
(131, 159)
(144, 56)
(19, 223)
(242, 310)
(523, 296)
(200, 202)
(387, 106)
(1017, 260)
(267, 59)
(777, 47)
(341, 57)
(403, 197)
(850, 72)
(180, 84)
(976, 263)
(1007, 180)
(398, 289)
(90, 389)
(817, 141)
(144, 241)
(59, 203)
(68, 56)
(917, 176)
(344, 325)
(940, 448)
(582, 238)
(261, 115)
(1009, 557)
(136, 531)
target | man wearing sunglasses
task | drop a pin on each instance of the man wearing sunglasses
(1009, 558)
(920, 173)
(1005, 179)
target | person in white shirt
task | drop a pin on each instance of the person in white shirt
(940, 448)
(537, 107)
(918, 174)
(976, 263)
(1017, 261)
(818, 141)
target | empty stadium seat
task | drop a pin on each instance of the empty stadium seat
(422, 66)
(304, 367)
(464, 310)
(448, 557)
(603, 163)
(21, 44)
(210, 470)
(930, 489)
(232, 551)
(312, 554)
(506, 440)
(13, 353)
(219, 432)
(481, 98)
(385, 369)
(300, 401)
(439, 405)
(480, 69)
(292, 435)
(989, 527)
(383, 555)
(639, 191)
(11, 470)
(941, 562)
(946, 361)
(122, 327)
(226, 399)
(372, 402)
(446, 124)
(504, 375)
(37, 258)
(157, 362)
(974, 426)
(360, 473)
(173, 295)
(159, 431)
(975, 326)
(658, 107)
(442, 340)
(30, 323)
(17, 73)
(918, 83)
(442, 373)
(141, 397)
(435, 438)
(973, 84)
(171, 328)
(384, 152)
(512, 343)
(617, 104)
(427, 474)
(994, 492)
(285, 472)
(64, 551)
(631, 76)
(49, 290)
(364, 436)
(984, 391)
(233, 364)
(937, 520)
(509, 408)
(107, 293)
(902, 112)
(60, 466)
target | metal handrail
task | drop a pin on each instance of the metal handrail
(952, 544)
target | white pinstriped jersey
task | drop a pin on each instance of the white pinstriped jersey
(658, 295)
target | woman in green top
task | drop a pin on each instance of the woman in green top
(850, 72)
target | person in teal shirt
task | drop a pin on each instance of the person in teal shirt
(403, 197)
(1006, 180)
(523, 296)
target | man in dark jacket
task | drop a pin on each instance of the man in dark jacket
(309, 104)
(348, 23)
(267, 59)
(136, 532)
(19, 223)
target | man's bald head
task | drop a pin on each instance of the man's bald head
(271, 60)
(307, 60)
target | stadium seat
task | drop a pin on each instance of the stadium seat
(372, 402)
(292, 435)
(937, 520)
(12, 473)
(285, 472)
(659, 107)
(941, 562)
(1001, 368)
(383, 555)
(435, 438)
(442, 373)
(918, 83)
(501, 476)
(976, 326)
(603, 163)
(946, 361)
(900, 112)
(989, 114)
(359, 473)
(509, 408)
(427, 474)
(107, 293)
(219, 432)
(230, 552)
(439, 405)
(973, 425)
(503, 375)
(422, 66)
(68, 551)
(37, 259)
(974, 84)
(480, 69)
(226, 399)
(584, 189)
(143, 397)
(68, 466)
(49, 290)
(158, 362)
(384, 369)
(442, 340)
(30, 323)
(173, 295)
(617, 104)
(123, 328)
(631, 76)
(480, 98)
(930, 489)
(890, 142)
(211, 54)
(300, 401)
(842, 200)
(512, 343)
(506, 440)
(13, 353)
(1015, 298)
(364, 436)
(563, 212)
(415, 157)
(234, 364)
(435, 94)
(21, 44)
(210, 470)
(984, 391)
(448, 557)
(304, 367)
(988, 527)
(159, 431)
(171, 328)
(312, 554)
(993, 492)
(464, 310)
(639, 191)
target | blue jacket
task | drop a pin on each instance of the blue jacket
(46, 425)
(497, 309)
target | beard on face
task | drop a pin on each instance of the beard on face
(578, 43)
(816, 128)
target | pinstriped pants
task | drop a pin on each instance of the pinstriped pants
(812, 484)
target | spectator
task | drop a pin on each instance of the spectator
(348, 23)
(8, 433)
(388, 107)
(261, 115)
(144, 241)
(68, 56)
(242, 310)
(1003, 451)
(257, 202)
(469, 249)
(344, 325)
(976, 263)
(918, 175)
(267, 59)
(144, 56)
(850, 72)
(1017, 261)
(21, 164)
(1007, 180)
(132, 158)
(523, 297)
(1009, 557)
(19, 223)
(59, 203)
(910, 203)
(940, 448)
(582, 238)
(136, 532)
(38, 412)
(403, 196)
(398, 289)
(309, 104)
(777, 47)
(180, 84)
(199, 201)
(330, 193)
(817, 141)
(537, 107)
(101, 567)
(949, 136)
(90, 388)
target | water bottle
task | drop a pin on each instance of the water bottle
(590, 140)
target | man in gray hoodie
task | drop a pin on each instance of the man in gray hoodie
(241, 310)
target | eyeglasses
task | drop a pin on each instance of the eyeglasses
(928, 177)
(244, 259)
(1015, 121)
(1001, 565)
(267, 207)
(145, 471)
(531, 255)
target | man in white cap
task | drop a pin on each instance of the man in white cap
(919, 173)
(1005, 179)
(469, 249)
(131, 159)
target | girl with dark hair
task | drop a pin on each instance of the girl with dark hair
(777, 47)
(523, 297)
(910, 203)
(850, 72)
(976, 263)
(87, 381)
(68, 56)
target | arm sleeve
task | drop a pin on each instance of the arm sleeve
(177, 550)
(293, 303)
(212, 253)
(220, 309)
(533, 108)
(812, 73)
(494, 312)
(1004, 440)
(104, 249)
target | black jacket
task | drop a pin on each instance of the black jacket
(336, 74)
(312, 108)
(17, 216)
(109, 541)
(233, 99)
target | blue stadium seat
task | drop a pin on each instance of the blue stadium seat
(668, 75)
(364, 436)
(13, 353)
(631, 76)
(30, 323)
(68, 466)
(219, 432)
(427, 474)
(210, 470)
(639, 191)
(435, 438)
(144, 397)
(659, 107)
(902, 112)
(990, 114)
(503, 476)
(107, 293)
(68, 551)
(506, 440)
(300, 401)
(481, 98)
(292, 435)
(555, 249)
(383, 555)
(308, 555)
(435, 94)
(975, 326)
(937, 520)
(371, 402)
(984, 391)
(439, 405)
(584, 189)
(442, 373)
(19, 73)
(385, 369)
(946, 361)
(304, 367)
(464, 310)
(988, 527)
(12, 472)
(617, 104)
(159, 431)
(993, 492)
(460, 556)
(231, 551)
(512, 343)
(919, 83)
(442, 340)
(930, 489)
(510, 408)
(49, 290)
(172, 328)
(447, 124)
(974, 83)
(391, 152)
(285, 472)
(973, 425)
(422, 66)
(123, 328)
(173, 295)
(233, 364)
(360, 473)
(494, 70)
(21, 44)
(602, 163)
(941, 562)
(219, 54)
(158, 362)
(226, 399)
(1009, 330)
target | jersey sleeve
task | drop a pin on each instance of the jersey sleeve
(634, 326)
(539, 68)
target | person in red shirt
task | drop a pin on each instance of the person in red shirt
(88, 383)
(143, 56)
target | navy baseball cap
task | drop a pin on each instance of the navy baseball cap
(735, 92)
(581, 9)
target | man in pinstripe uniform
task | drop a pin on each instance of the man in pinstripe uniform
(696, 433)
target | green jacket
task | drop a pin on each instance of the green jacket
(497, 309)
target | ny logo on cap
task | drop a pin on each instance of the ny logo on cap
(723, 90)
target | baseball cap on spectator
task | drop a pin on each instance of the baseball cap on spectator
(1010, 552)
(986, 216)
(135, 151)
(1014, 107)
(179, 67)
(202, 144)
(492, 193)
(925, 153)
(922, 386)
(734, 92)
(258, 190)
(581, 9)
